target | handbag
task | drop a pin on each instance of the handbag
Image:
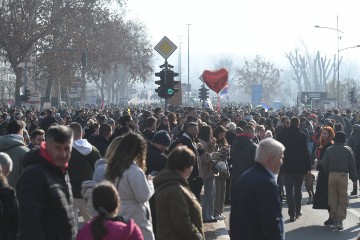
(220, 167)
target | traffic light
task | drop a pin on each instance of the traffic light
(84, 59)
(171, 83)
(27, 94)
(352, 98)
(166, 83)
(161, 89)
(203, 93)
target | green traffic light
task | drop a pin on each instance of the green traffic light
(170, 91)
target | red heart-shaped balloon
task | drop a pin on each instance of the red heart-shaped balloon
(216, 80)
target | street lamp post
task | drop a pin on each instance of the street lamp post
(188, 73)
(338, 53)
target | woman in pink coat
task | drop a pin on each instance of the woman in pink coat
(108, 225)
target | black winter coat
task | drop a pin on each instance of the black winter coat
(47, 122)
(321, 193)
(296, 155)
(190, 144)
(155, 159)
(9, 220)
(148, 135)
(354, 143)
(100, 142)
(256, 206)
(45, 201)
(242, 154)
(81, 168)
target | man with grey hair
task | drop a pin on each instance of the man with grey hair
(256, 200)
(6, 163)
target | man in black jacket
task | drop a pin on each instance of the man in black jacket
(155, 162)
(256, 200)
(150, 128)
(48, 120)
(81, 168)
(44, 189)
(188, 139)
(242, 152)
(101, 140)
(296, 164)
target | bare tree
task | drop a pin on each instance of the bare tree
(259, 71)
(24, 24)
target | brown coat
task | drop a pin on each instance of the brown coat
(178, 213)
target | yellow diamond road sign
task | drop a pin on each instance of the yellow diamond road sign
(165, 47)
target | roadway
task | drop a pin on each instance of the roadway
(310, 225)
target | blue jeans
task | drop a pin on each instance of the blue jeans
(208, 198)
(293, 183)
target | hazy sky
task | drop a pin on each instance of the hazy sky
(245, 28)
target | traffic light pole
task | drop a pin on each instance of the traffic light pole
(166, 69)
(166, 83)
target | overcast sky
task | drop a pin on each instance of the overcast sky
(245, 28)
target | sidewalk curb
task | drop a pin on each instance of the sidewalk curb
(216, 231)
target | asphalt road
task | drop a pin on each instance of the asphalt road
(310, 225)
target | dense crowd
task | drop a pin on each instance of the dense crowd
(139, 173)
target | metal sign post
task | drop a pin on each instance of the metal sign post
(165, 48)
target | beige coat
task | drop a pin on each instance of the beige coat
(207, 159)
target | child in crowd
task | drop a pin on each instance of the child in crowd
(108, 225)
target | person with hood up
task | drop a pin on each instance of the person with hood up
(242, 152)
(81, 168)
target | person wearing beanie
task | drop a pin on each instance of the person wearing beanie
(339, 162)
(155, 162)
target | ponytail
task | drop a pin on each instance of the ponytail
(98, 229)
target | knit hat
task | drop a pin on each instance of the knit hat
(340, 137)
(162, 137)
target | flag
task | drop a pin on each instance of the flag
(224, 91)
(210, 104)
(265, 105)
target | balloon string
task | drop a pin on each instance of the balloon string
(218, 103)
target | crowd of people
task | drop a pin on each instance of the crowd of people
(140, 173)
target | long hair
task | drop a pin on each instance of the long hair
(106, 201)
(220, 129)
(204, 134)
(331, 136)
(124, 151)
(162, 126)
